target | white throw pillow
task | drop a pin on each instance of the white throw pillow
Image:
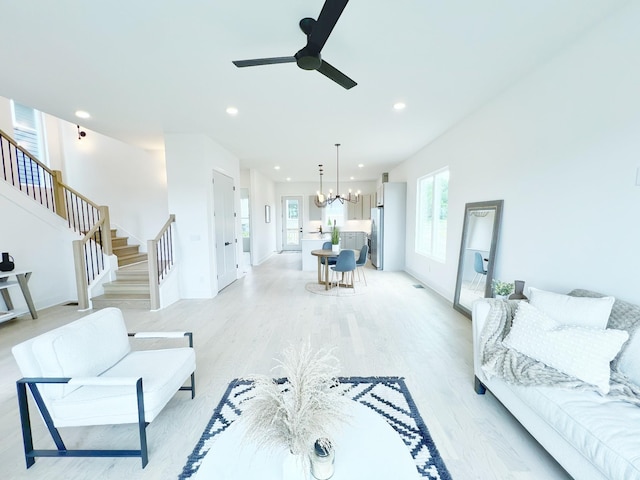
(629, 361)
(568, 310)
(583, 353)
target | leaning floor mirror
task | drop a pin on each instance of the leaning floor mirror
(477, 253)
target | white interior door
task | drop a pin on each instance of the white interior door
(224, 212)
(291, 223)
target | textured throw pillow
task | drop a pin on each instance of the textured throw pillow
(583, 353)
(568, 310)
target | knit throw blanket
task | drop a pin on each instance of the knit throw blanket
(518, 369)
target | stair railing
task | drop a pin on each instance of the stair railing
(160, 253)
(45, 186)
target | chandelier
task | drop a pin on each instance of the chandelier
(321, 200)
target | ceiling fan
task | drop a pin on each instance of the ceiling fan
(308, 58)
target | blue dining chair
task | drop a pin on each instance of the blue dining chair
(327, 261)
(362, 261)
(345, 264)
(478, 266)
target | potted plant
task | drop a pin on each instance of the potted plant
(335, 239)
(502, 289)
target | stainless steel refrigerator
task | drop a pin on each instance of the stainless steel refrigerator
(388, 228)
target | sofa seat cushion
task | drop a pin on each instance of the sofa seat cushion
(604, 430)
(163, 372)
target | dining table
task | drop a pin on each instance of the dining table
(322, 254)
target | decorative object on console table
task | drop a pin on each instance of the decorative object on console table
(502, 289)
(518, 294)
(7, 262)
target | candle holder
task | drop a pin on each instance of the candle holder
(322, 459)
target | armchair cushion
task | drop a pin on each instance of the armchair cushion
(163, 372)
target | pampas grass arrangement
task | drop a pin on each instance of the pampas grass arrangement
(304, 407)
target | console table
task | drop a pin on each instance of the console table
(21, 279)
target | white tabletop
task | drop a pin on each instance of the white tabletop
(13, 272)
(366, 447)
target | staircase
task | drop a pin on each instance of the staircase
(131, 287)
(127, 254)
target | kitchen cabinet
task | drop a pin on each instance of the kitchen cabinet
(352, 240)
(360, 210)
(366, 207)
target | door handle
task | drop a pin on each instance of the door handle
(226, 244)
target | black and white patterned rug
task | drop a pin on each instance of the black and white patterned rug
(389, 397)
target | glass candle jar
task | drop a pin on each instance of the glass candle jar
(322, 459)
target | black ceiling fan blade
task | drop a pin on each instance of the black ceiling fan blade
(329, 15)
(336, 75)
(263, 61)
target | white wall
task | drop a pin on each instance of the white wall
(40, 242)
(263, 235)
(132, 182)
(191, 160)
(6, 122)
(561, 148)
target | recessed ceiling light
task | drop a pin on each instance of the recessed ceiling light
(399, 106)
(352, 178)
(360, 165)
(232, 110)
(277, 167)
(288, 179)
(82, 114)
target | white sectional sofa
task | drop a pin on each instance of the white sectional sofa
(592, 435)
(86, 373)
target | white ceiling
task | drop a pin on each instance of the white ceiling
(145, 68)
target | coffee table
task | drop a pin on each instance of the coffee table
(366, 447)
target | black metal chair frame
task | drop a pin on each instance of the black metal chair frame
(61, 451)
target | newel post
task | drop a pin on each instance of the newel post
(58, 194)
(154, 287)
(81, 274)
(107, 248)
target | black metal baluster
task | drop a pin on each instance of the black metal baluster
(13, 180)
(48, 185)
(4, 166)
(171, 245)
(159, 262)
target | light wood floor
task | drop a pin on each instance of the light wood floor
(391, 329)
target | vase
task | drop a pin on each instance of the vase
(518, 291)
(295, 467)
(7, 262)
(335, 248)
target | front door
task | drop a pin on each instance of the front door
(224, 213)
(291, 223)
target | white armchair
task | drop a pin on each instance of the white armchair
(85, 373)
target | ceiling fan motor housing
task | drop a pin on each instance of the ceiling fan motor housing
(307, 60)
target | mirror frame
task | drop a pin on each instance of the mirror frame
(468, 208)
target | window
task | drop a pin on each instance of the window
(431, 214)
(334, 211)
(27, 130)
